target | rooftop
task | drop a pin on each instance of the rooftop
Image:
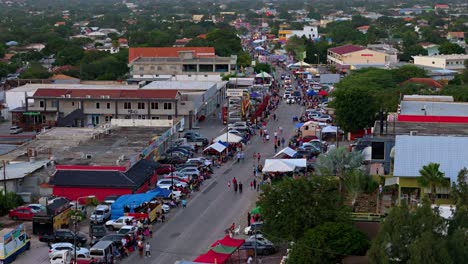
(22, 169)
(434, 108)
(113, 94)
(449, 56)
(427, 81)
(180, 85)
(423, 128)
(168, 52)
(414, 152)
(32, 87)
(341, 50)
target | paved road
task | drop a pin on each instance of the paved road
(190, 231)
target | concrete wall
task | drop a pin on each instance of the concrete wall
(215, 76)
(141, 123)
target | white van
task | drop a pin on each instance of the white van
(61, 257)
(102, 251)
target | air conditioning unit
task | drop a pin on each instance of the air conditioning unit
(68, 95)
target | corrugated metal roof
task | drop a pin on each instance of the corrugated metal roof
(134, 53)
(341, 50)
(20, 170)
(434, 108)
(414, 152)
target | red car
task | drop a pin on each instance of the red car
(165, 169)
(308, 138)
(21, 213)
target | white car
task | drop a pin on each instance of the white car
(254, 227)
(37, 207)
(118, 223)
(286, 95)
(15, 130)
(127, 229)
(166, 183)
(291, 100)
(60, 257)
(207, 162)
(259, 238)
(80, 251)
(324, 118)
(190, 171)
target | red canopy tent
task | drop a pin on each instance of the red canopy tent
(229, 242)
(323, 93)
(212, 257)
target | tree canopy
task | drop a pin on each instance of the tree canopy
(291, 207)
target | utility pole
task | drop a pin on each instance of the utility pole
(4, 177)
(255, 247)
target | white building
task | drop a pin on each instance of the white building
(308, 31)
(446, 62)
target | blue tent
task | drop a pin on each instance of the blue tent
(160, 192)
(130, 200)
(299, 125)
(224, 143)
(311, 92)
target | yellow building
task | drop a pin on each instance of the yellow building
(351, 55)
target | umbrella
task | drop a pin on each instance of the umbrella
(311, 92)
(256, 210)
(323, 93)
(301, 64)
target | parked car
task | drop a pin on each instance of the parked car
(80, 251)
(61, 257)
(324, 118)
(166, 183)
(236, 132)
(291, 100)
(195, 137)
(22, 213)
(286, 95)
(96, 232)
(79, 207)
(201, 160)
(109, 200)
(190, 171)
(262, 248)
(127, 229)
(308, 138)
(118, 223)
(37, 207)
(165, 169)
(253, 228)
(178, 176)
(101, 214)
(259, 237)
(172, 160)
(64, 235)
(15, 130)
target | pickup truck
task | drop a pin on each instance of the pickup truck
(64, 235)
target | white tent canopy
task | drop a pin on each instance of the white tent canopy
(263, 75)
(231, 138)
(287, 150)
(329, 129)
(301, 64)
(257, 41)
(216, 146)
(283, 165)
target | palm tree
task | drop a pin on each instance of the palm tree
(432, 177)
(337, 162)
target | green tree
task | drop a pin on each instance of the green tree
(338, 162)
(35, 71)
(355, 182)
(412, 50)
(262, 67)
(328, 243)
(450, 48)
(459, 192)
(70, 55)
(6, 69)
(411, 237)
(9, 201)
(407, 72)
(431, 177)
(2, 51)
(244, 59)
(291, 207)
(296, 46)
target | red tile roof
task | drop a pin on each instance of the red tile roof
(458, 34)
(113, 94)
(441, 6)
(363, 28)
(167, 52)
(346, 49)
(427, 81)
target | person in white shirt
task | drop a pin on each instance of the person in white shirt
(249, 260)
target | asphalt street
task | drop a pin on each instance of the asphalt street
(190, 231)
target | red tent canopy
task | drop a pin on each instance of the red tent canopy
(212, 257)
(323, 93)
(229, 242)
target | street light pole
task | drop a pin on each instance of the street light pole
(76, 224)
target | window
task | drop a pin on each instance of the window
(169, 117)
(108, 105)
(108, 118)
(141, 68)
(73, 103)
(167, 106)
(155, 117)
(127, 105)
(98, 105)
(154, 105)
(41, 103)
(159, 68)
(152, 68)
(54, 103)
(141, 105)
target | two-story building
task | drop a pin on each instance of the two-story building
(347, 56)
(454, 62)
(179, 63)
(310, 32)
(94, 107)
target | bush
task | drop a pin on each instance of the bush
(9, 201)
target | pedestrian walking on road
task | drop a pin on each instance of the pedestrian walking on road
(240, 187)
(251, 185)
(147, 249)
(255, 184)
(248, 218)
(235, 187)
(238, 156)
(282, 142)
(274, 116)
(258, 157)
(280, 130)
(184, 203)
(276, 148)
(229, 184)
